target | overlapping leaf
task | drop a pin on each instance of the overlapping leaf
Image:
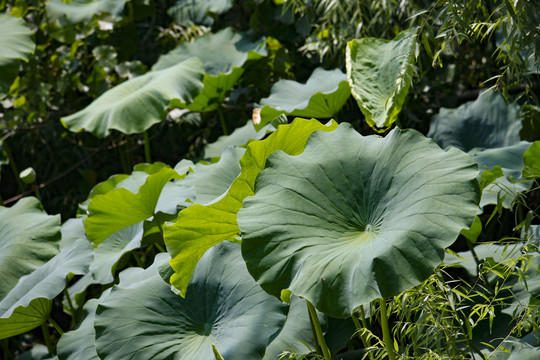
(322, 96)
(187, 12)
(369, 219)
(240, 136)
(488, 128)
(380, 74)
(78, 11)
(223, 54)
(487, 122)
(15, 43)
(120, 208)
(224, 306)
(199, 227)
(19, 309)
(28, 239)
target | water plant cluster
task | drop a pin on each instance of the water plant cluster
(349, 209)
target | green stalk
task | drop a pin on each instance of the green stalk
(387, 337)
(55, 325)
(217, 355)
(147, 156)
(222, 120)
(71, 307)
(360, 327)
(47, 337)
(318, 330)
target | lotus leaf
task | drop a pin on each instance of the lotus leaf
(187, 12)
(18, 312)
(78, 11)
(380, 74)
(138, 103)
(239, 137)
(16, 43)
(223, 54)
(28, 239)
(488, 128)
(212, 181)
(199, 227)
(120, 208)
(368, 220)
(224, 306)
(322, 96)
(487, 122)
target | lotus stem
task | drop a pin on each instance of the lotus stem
(222, 120)
(359, 327)
(387, 337)
(217, 355)
(147, 156)
(71, 307)
(318, 330)
(47, 337)
(55, 325)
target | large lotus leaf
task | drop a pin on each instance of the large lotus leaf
(18, 309)
(200, 227)
(16, 43)
(487, 122)
(510, 160)
(120, 208)
(239, 137)
(380, 74)
(78, 11)
(223, 54)
(322, 96)
(28, 239)
(187, 12)
(138, 103)
(355, 218)
(224, 306)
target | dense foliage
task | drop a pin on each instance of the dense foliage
(257, 179)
